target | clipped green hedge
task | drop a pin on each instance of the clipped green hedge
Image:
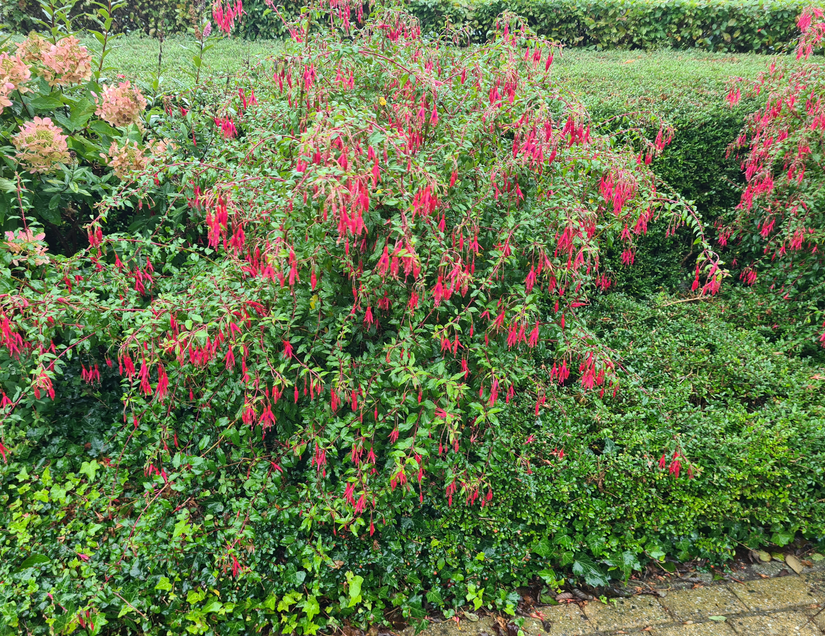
(716, 25)
(153, 17)
(624, 90)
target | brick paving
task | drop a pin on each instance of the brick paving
(766, 599)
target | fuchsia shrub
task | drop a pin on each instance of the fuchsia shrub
(778, 229)
(386, 247)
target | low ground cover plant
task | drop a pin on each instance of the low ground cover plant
(356, 360)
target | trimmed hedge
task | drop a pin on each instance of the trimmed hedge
(716, 25)
(686, 90)
(748, 421)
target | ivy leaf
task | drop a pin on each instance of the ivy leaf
(89, 469)
(354, 582)
(543, 548)
(312, 608)
(164, 584)
(629, 563)
(782, 538)
(586, 568)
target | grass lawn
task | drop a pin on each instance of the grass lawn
(636, 77)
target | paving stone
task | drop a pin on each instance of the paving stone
(625, 613)
(465, 628)
(694, 629)
(779, 624)
(775, 594)
(771, 568)
(698, 604)
(817, 617)
(815, 578)
(560, 620)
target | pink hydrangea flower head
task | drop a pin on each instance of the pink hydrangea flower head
(41, 146)
(120, 105)
(33, 48)
(67, 62)
(25, 244)
(13, 74)
(127, 158)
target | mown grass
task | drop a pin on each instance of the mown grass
(663, 79)
(141, 58)
(649, 79)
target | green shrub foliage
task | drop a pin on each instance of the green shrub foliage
(356, 359)
(709, 24)
(716, 25)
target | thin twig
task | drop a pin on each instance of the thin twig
(686, 300)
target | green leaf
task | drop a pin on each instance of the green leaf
(782, 538)
(89, 469)
(585, 567)
(8, 186)
(164, 584)
(34, 559)
(47, 102)
(355, 582)
(312, 608)
(543, 548)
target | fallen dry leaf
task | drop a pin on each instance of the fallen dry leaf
(794, 563)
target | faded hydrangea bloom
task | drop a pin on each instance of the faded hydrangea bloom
(120, 105)
(67, 62)
(13, 73)
(127, 158)
(159, 147)
(41, 145)
(130, 157)
(32, 48)
(25, 244)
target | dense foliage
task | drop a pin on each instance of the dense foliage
(356, 359)
(777, 231)
(69, 133)
(729, 25)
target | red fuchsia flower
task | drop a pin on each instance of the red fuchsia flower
(225, 16)
(360, 505)
(663, 462)
(530, 281)
(248, 416)
(287, 348)
(675, 465)
(748, 276)
(320, 458)
(628, 257)
(267, 418)
(227, 127)
(450, 491)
